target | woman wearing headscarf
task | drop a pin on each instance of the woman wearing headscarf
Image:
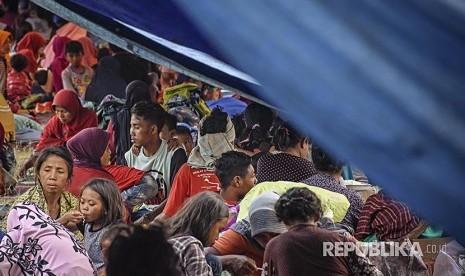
(198, 174)
(70, 118)
(120, 143)
(60, 62)
(34, 42)
(89, 158)
(37, 245)
(53, 172)
(88, 59)
(106, 81)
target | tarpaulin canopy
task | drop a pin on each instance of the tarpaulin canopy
(378, 83)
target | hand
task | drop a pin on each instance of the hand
(241, 265)
(71, 217)
(135, 150)
(26, 165)
(144, 220)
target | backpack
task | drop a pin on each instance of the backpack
(107, 109)
(184, 102)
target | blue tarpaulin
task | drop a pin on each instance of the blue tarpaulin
(378, 83)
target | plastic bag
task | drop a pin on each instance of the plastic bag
(445, 265)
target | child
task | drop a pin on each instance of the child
(76, 77)
(102, 206)
(183, 134)
(18, 84)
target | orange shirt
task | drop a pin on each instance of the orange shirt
(187, 183)
(233, 243)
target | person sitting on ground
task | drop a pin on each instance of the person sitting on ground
(18, 84)
(70, 118)
(237, 177)
(53, 171)
(106, 81)
(300, 251)
(147, 120)
(328, 176)
(198, 174)
(195, 226)
(141, 251)
(290, 164)
(35, 244)
(76, 77)
(102, 206)
(388, 219)
(89, 158)
(120, 123)
(242, 246)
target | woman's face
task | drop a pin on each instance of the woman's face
(64, 115)
(53, 175)
(105, 159)
(215, 231)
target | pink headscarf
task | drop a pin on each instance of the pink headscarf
(35, 244)
(88, 58)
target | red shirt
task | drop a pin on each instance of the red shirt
(82, 176)
(125, 177)
(187, 183)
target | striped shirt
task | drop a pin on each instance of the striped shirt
(327, 182)
(388, 219)
(190, 252)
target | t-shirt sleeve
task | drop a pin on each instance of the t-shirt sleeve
(178, 159)
(231, 243)
(179, 192)
(66, 78)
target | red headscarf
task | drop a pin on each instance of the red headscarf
(57, 133)
(32, 41)
(32, 63)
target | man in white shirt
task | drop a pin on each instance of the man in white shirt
(147, 120)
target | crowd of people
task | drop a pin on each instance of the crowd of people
(144, 171)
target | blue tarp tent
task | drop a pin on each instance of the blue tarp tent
(379, 83)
